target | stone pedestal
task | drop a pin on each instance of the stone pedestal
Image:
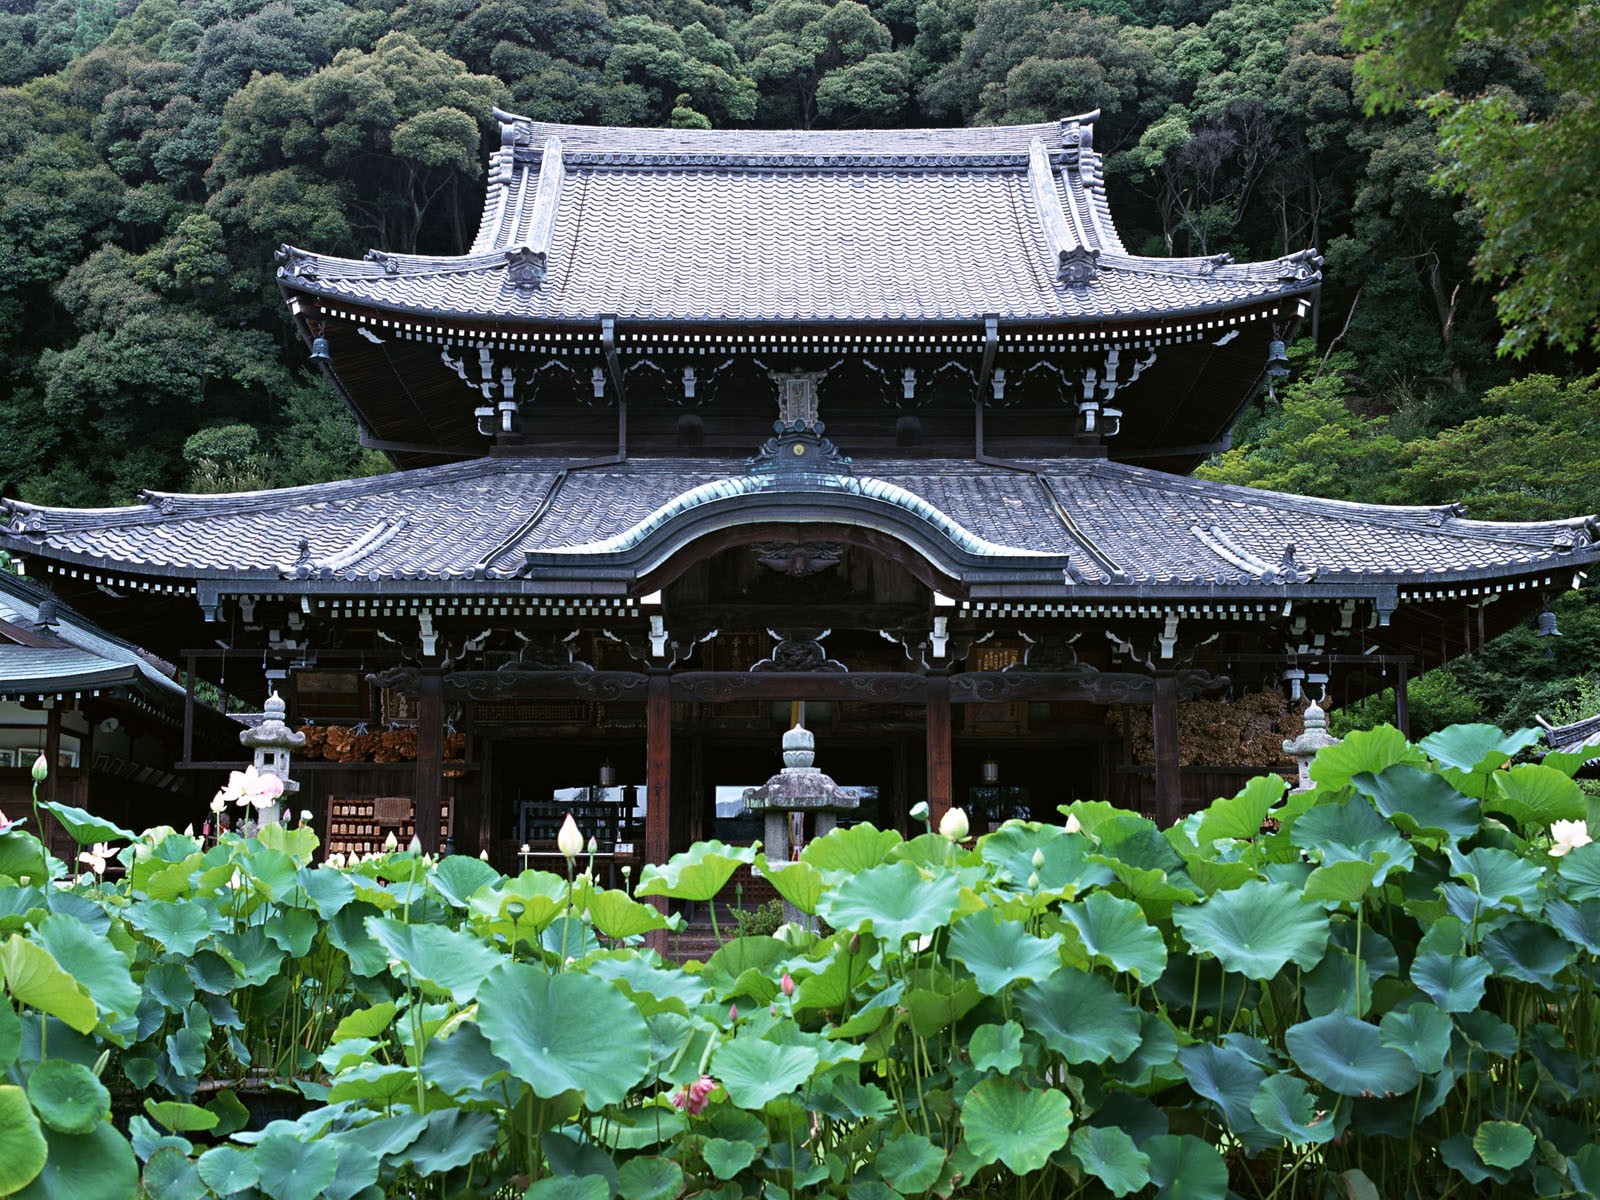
(1316, 737)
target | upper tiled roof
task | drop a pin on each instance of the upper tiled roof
(1578, 735)
(1085, 521)
(878, 225)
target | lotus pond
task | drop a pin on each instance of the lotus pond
(1384, 986)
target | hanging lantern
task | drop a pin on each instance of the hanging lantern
(319, 350)
(991, 772)
(1277, 360)
(608, 774)
(1547, 625)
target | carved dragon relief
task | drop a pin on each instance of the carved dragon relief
(798, 650)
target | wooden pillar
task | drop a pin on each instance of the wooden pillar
(899, 791)
(658, 769)
(52, 755)
(1402, 702)
(940, 783)
(1164, 727)
(430, 759)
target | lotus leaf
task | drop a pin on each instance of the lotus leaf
(22, 1146)
(1111, 1156)
(1365, 750)
(649, 1178)
(1477, 748)
(269, 873)
(67, 1096)
(1454, 984)
(530, 1019)
(1529, 951)
(452, 1139)
(85, 828)
(383, 1084)
(896, 898)
(1021, 1127)
(1422, 1031)
(1000, 952)
(1345, 882)
(638, 977)
(228, 1169)
(1066, 869)
(172, 1175)
(441, 960)
(252, 954)
(698, 874)
(619, 916)
(1501, 878)
(1284, 1107)
(1578, 923)
(1456, 1152)
(1352, 831)
(756, 1071)
(10, 1034)
(1081, 1017)
(35, 978)
(179, 1117)
(1535, 795)
(93, 961)
(942, 1004)
(726, 1159)
(292, 1168)
(458, 876)
(1224, 1076)
(1114, 931)
(1348, 1056)
(1580, 872)
(996, 1047)
(1183, 1167)
(1241, 816)
(1503, 1144)
(1256, 930)
(910, 1163)
(1420, 802)
(851, 850)
(799, 883)
(21, 856)
(569, 1187)
(329, 890)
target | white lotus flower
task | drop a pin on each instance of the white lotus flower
(953, 825)
(1567, 836)
(250, 787)
(96, 857)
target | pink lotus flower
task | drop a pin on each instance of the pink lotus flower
(7, 824)
(694, 1098)
(248, 787)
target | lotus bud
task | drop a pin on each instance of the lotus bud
(525, 849)
(786, 984)
(854, 945)
(483, 855)
(627, 870)
(953, 825)
(336, 860)
(733, 1014)
(391, 843)
(1072, 824)
(219, 803)
(919, 811)
(41, 768)
(1033, 881)
(570, 840)
(416, 844)
(594, 844)
(1038, 859)
(188, 830)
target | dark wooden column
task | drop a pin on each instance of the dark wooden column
(658, 769)
(52, 790)
(430, 759)
(940, 783)
(1164, 727)
(1402, 702)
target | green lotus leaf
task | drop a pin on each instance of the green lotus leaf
(292, 930)
(1348, 1056)
(1240, 817)
(252, 954)
(358, 1171)
(1366, 750)
(1344, 882)
(1503, 1144)
(618, 915)
(179, 1117)
(35, 979)
(1421, 802)
(1578, 923)
(1153, 888)
(10, 1035)
(756, 1071)
(1256, 930)
(649, 1178)
(569, 938)
(1184, 1167)
(458, 876)
(726, 1159)
(172, 1175)
(328, 889)
(1455, 984)
(698, 874)
(85, 828)
(1114, 931)
(896, 898)
(1003, 1121)
(569, 1156)
(170, 984)
(440, 960)
(93, 961)
(269, 873)
(1528, 950)
(1352, 831)
(1284, 1107)
(1422, 1031)
(637, 976)
(569, 1187)
(464, 1066)
(1480, 748)
(564, 1033)
(996, 1047)
(179, 927)
(1066, 869)
(365, 1022)
(1457, 1153)
(1135, 841)
(67, 1096)
(738, 955)
(452, 1139)
(851, 851)
(98, 1165)
(1000, 952)
(232, 1115)
(23, 1149)
(1502, 879)
(1081, 1017)
(539, 895)
(228, 1169)
(1156, 1058)
(1580, 872)
(941, 1005)
(799, 883)
(383, 1085)
(22, 856)
(293, 1168)
(910, 1163)
(1224, 1076)
(1111, 1156)
(299, 842)
(386, 1136)
(1534, 795)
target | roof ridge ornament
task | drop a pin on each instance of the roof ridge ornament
(1077, 264)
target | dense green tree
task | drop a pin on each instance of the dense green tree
(822, 58)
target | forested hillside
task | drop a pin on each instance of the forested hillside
(153, 155)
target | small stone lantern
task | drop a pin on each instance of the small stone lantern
(272, 740)
(798, 789)
(1314, 738)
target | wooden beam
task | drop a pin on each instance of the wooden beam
(1164, 725)
(940, 782)
(430, 760)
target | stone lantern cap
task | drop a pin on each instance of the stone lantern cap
(800, 787)
(1315, 736)
(272, 733)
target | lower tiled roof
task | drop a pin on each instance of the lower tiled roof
(1090, 521)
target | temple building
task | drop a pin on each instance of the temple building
(711, 429)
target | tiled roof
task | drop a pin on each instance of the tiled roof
(1103, 524)
(65, 653)
(707, 225)
(1578, 735)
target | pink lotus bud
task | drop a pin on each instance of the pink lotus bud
(41, 769)
(733, 1014)
(786, 984)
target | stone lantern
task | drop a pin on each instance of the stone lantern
(1314, 738)
(272, 740)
